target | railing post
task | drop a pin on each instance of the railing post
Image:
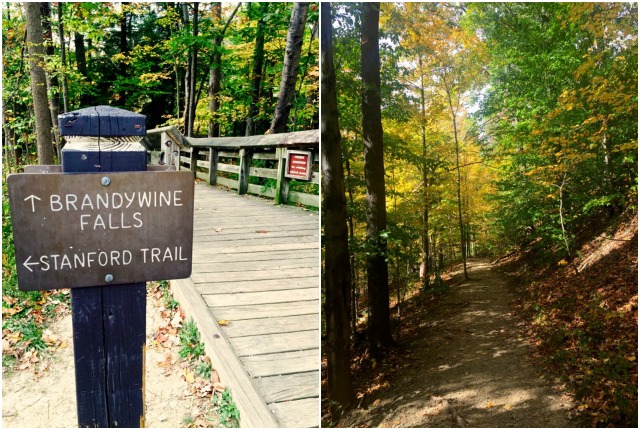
(243, 175)
(213, 166)
(193, 161)
(282, 182)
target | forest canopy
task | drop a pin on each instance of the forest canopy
(208, 68)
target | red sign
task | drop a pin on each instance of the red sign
(298, 165)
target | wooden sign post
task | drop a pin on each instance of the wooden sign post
(109, 323)
(108, 232)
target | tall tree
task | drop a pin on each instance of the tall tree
(256, 73)
(290, 67)
(379, 329)
(35, 46)
(63, 59)
(337, 271)
(215, 69)
(52, 81)
(192, 70)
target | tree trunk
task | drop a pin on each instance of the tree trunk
(215, 77)
(215, 70)
(256, 74)
(290, 67)
(52, 81)
(81, 63)
(337, 269)
(39, 83)
(379, 329)
(63, 59)
(192, 69)
(424, 269)
(124, 50)
(454, 112)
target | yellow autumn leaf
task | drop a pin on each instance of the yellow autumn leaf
(224, 322)
(507, 407)
(489, 405)
(631, 358)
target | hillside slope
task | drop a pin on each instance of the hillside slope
(585, 325)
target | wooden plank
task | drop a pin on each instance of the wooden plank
(252, 265)
(257, 248)
(273, 343)
(258, 256)
(284, 388)
(261, 297)
(257, 286)
(226, 181)
(219, 238)
(293, 225)
(261, 191)
(264, 240)
(244, 312)
(230, 168)
(253, 275)
(263, 172)
(282, 363)
(261, 326)
(298, 413)
(304, 199)
(254, 411)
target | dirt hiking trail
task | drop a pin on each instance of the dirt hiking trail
(467, 367)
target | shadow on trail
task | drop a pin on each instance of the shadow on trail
(467, 367)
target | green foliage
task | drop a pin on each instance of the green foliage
(228, 412)
(190, 345)
(560, 110)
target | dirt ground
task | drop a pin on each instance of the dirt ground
(467, 367)
(47, 398)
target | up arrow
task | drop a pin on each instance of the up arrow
(27, 264)
(33, 197)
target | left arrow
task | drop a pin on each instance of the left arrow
(33, 198)
(27, 264)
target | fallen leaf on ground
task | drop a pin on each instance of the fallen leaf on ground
(224, 322)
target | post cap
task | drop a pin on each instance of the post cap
(104, 121)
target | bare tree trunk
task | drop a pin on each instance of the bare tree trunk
(424, 269)
(379, 329)
(454, 112)
(192, 68)
(337, 270)
(39, 83)
(290, 67)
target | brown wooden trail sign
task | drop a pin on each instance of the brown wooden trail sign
(101, 229)
(106, 225)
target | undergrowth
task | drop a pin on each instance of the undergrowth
(584, 327)
(25, 314)
(192, 350)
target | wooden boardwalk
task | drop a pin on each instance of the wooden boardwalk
(256, 266)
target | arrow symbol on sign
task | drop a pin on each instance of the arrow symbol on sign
(27, 264)
(33, 197)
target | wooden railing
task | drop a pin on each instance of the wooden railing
(252, 164)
